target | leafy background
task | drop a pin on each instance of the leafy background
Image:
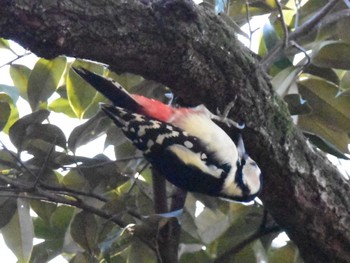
(94, 209)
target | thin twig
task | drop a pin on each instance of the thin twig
(297, 46)
(227, 11)
(73, 192)
(103, 163)
(297, 13)
(21, 164)
(234, 250)
(15, 59)
(304, 29)
(248, 21)
(283, 24)
(261, 231)
(41, 192)
(46, 161)
(135, 177)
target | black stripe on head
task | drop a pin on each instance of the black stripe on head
(239, 178)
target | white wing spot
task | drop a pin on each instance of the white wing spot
(143, 128)
(204, 156)
(150, 143)
(161, 137)
(188, 144)
(139, 117)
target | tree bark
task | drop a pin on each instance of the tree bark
(198, 56)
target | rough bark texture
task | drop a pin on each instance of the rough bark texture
(196, 54)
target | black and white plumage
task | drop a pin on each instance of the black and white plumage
(184, 144)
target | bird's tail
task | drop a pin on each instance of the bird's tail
(111, 89)
(115, 113)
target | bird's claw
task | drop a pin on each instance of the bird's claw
(223, 117)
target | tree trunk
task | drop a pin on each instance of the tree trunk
(197, 55)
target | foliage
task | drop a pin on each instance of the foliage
(100, 210)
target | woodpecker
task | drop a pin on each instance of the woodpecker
(183, 144)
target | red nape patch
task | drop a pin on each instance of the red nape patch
(154, 108)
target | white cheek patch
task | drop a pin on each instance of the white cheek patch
(251, 176)
(230, 188)
(194, 159)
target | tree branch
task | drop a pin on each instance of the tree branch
(304, 29)
(197, 55)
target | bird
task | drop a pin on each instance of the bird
(183, 143)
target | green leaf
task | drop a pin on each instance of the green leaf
(14, 112)
(296, 105)
(325, 146)
(18, 129)
(237, 9)
(244, 221)
(4, 44)
(333, 54)
(44, 80)
(83, 258)
(88, 131)
(208, 225)
(5, 112)
(46, 132)
(110, 240)
(330, 118)
(61, 105)
(7, 160)
(283, 80)
(315, 124)
(20, 75)
(325, 73)
(338, 29)
(342, 29)
(8, 207)
(140, 253)
(344, 83)
(61, 218)
(285, 254)
(43, 209)
(271, 38)
(57, 226)
(323, 99)
(11, 91)
(19, 233)
(46, 250)
(249, 254)
(80, 94)
(84, 231)
(44, 230)
(74, 179)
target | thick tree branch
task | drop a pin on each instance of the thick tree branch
(196, 54)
